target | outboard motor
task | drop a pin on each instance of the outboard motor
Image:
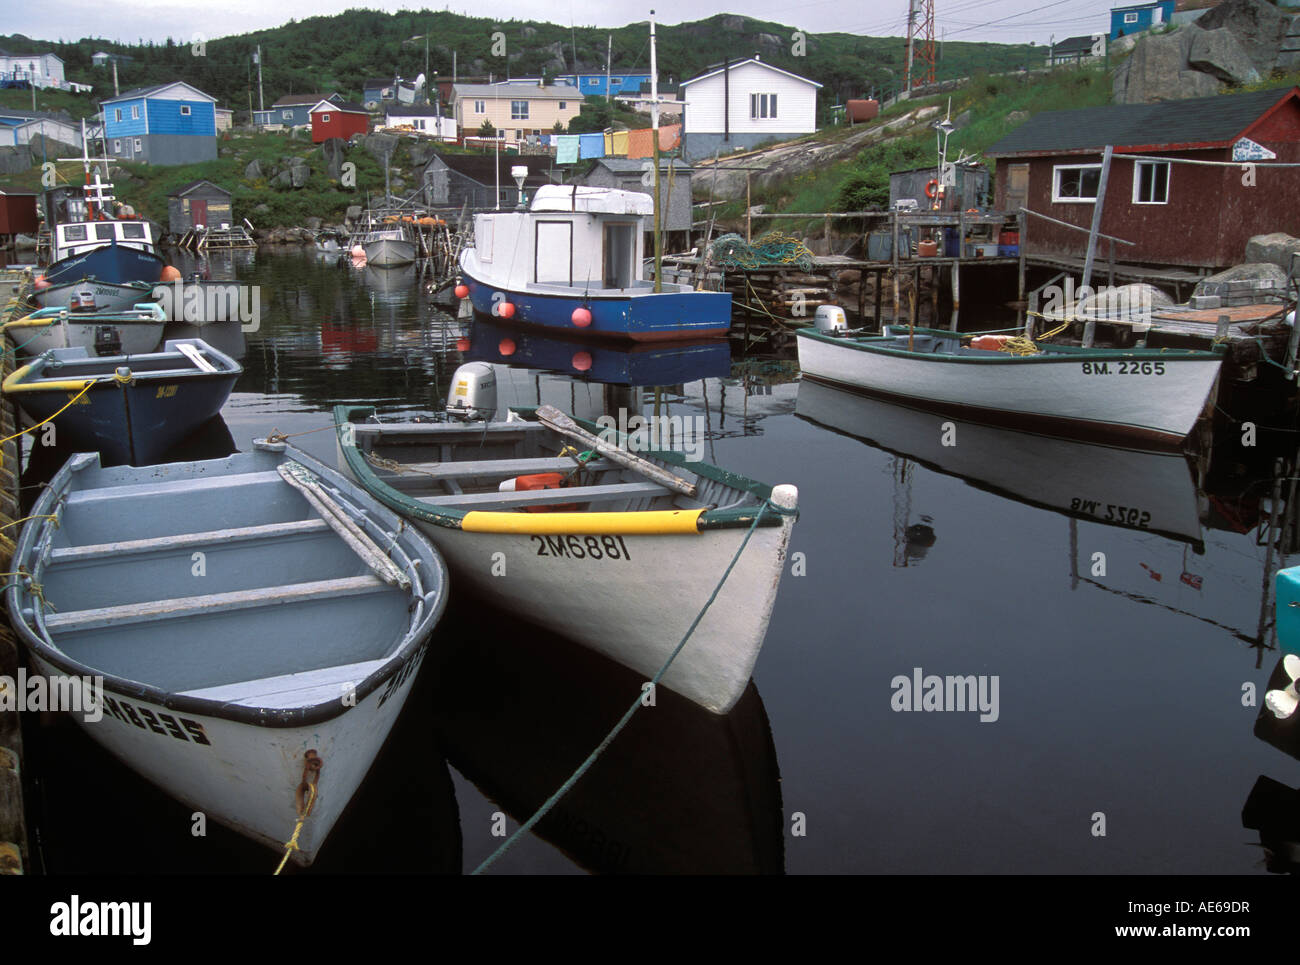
(473, 393)
(830, 318)
(108, 340)
(82, 301)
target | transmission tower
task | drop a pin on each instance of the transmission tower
(923, 42)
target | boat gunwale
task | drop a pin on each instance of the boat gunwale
(452, 518)
(1055, 353)
(18, 380)
(415, 636)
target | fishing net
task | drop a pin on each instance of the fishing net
(731, 251)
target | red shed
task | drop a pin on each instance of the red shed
(1177, 213)
(338, 119)
(17, 214)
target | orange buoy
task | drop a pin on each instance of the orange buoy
(506, 310)
(581, 317)
(932, 188)
(506, 347)
(171, 273)
(462, 344)
(41, 282)
(461, 290)
(990, 343)
(581, 361)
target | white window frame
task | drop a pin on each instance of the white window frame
(117, 145)
(138, 145)
(185, 110)
(286, 115)
(518, 112)
(1130, 18)
(1137, 179)
(135, 112)
(762, 107)
(117, 115)
(324, 118)
(480, 107)
(1056, 183)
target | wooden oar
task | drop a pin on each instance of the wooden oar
(557, 421)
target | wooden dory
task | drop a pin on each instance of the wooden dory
(623, 567)
(136, 330)
(1143, 396)
(239, 635)
(137, 407)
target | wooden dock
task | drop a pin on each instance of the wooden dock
(14, 859)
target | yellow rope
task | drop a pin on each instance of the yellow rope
(291, 845)
(86, 388)
(26, 518)
(278, 436)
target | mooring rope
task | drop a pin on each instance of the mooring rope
(305, 797)
(564, 788)
(90, 383)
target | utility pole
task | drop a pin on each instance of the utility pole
(911, 37)
(261, 105)
(609, 94)
(116, 92)
(654, 123)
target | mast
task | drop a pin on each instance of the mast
(654, 124)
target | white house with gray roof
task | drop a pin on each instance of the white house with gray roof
(742, 104)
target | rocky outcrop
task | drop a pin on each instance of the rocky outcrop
(253, 171)
(334, 150)
(1275, 248)
(1158, 70)
(379, 146)
(299, 172)
(1258, 26)
(1219, 54)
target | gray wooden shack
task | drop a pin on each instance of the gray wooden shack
(632, 174)
(198, 203)
(970, 191)
(453, 180)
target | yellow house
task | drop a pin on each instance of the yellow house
(516, 109)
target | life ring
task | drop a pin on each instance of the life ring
(932, 188)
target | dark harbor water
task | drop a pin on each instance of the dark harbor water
(1117, 694)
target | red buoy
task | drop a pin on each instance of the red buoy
(581, 361)
(506, 310)
(461, 290)
(462, 344)
(507, 347)
(171, 273)
(41, 283)
(581, 317)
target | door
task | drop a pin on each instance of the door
(199, 214)
(553, 253)
(1017, 186)
(620, 255)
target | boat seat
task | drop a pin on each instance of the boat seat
(301, 689)
(163, 486)
(190, 606)
(502, 467)
(93, 551)
(539, 497)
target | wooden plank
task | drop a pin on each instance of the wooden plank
(70, 554)
(189, 483)
(569, 494)
(194, 355)
(211, 603)
(501, 467)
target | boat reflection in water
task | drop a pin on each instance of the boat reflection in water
(680, 790)
(1150, 491)
(390, 283)
(637, 364)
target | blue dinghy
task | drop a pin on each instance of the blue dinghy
(130, 408)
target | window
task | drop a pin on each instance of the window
(1075, 182)
(480, 107)
(593, 81)
(135, 112)
(324, 118)
(519, 110)
(287, 115)
(139, 145)
(103, 232)
(1130, 18)
(1151, 182)
(564, 106)
(133, 230)
(762, 105)
(185, 110)
(74, 232)
(117, 114)
(117, 145)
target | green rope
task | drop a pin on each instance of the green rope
(636, 704)
(39, 333)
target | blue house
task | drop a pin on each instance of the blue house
(1140, 16)
(378, 91)
(619, 84)
(166, 124)
(291, 110)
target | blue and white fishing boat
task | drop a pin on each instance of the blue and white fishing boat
(89, 293)
(123, 332)
(574, 262)
(130, 408)
(257, 685)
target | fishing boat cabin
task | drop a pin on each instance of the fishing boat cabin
(77, 225)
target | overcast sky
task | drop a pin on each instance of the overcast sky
(1004, 21)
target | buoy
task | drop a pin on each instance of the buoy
(462, 344)
(171, 273)
(506, 310)
(506, 347)
(462, 291)
(41, 283)
(581, 361)
(932, 188)
(358, 251)
(581, 317)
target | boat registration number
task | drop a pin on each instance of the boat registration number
(1123, 368)
(1125, 515)
(582, 547)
